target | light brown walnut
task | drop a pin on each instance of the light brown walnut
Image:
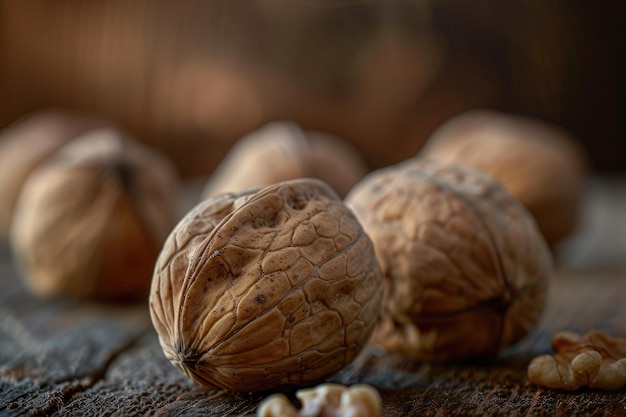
(539, 163)
(89, 223)
(594, 360)
(326, 400)
(465, 267)
(26, 144)
(266, 288)
(282, 151)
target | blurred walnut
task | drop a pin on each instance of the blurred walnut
(91, 220)
(282, 151)
(465, 268)
(594, 360)
(266, 288)
(26, 144)
(326, 400)
(540, 164)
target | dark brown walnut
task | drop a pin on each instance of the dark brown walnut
(271, 287)
(90, 222)
(539, 163)
(282, 151)
(465, 267)
(594, 360)
(26, 144)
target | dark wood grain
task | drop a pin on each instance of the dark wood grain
(67, 358)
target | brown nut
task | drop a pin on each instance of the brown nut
(594, 360)
(465, 267)
(282, 151)
(540, 164)
(266, 288)
(326, 400)
(25, 145)
(90, 222)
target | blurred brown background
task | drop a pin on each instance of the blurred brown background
(191, 77)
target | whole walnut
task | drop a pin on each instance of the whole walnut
(539, 163)
(465, 267)
(90, 222)
(266, 288)
(281, 151)
(27, 143)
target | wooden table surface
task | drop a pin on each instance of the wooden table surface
(70, 358)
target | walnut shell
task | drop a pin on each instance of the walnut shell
(28, 143)
(266, 288)
(465, 267)
(90, 222)
(540, 164)
(282, 151)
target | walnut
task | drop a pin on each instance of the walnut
(594, 360)
(465, 267)
(25, 145)
(89, 223)
(266, 288)
(539, 163)
(326, 400)
(282, 151)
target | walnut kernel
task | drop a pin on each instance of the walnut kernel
(465, 267)
(594, 360)
(266, 288)
(326, 400)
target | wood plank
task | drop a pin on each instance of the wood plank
(68, 358)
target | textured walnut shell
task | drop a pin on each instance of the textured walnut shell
(465, 267)
(267, 288)
(540, 164)
(282, 151)
(25, 145)
(90, 222)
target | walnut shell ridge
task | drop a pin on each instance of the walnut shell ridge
(465, 267)
(270, 287)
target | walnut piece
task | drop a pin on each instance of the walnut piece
(266, 288)
(326, 400)
(282, 151)
(89, 223)
(595, 360)
(465, 267)
(539, 163)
